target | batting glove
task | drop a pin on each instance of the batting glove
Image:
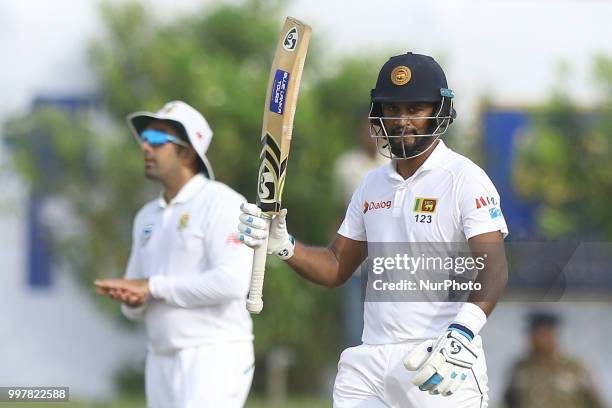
(253, 229)
(443, 364)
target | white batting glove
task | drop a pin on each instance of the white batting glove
(443, 364)
(254, 230)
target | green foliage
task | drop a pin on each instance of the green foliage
(93, 173)
(218, 61)
(565, 163)
(130, 381)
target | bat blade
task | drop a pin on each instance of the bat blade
(279, 112)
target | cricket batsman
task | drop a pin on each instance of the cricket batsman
(414, 354)
(188, 274)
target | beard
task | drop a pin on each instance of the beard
(408, 146)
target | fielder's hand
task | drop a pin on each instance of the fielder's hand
(443, 364)
(132, 292)
(253, 231)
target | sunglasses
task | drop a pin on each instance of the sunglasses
(156, 137)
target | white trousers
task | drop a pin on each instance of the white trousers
(373, 376)
(211, 375)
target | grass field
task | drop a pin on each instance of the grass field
(304, 402)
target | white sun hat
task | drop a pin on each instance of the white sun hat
(187, 119)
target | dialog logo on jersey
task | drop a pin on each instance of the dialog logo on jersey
(425, 205)
(380, 205)
(147, 231)
(485, 201)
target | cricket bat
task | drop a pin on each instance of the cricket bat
(279, 110)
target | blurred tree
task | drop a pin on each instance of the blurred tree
(66, 158)
(218, 61)
(565, 163)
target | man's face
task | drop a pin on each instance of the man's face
(409, 118)
(543, 340)
(164, 160)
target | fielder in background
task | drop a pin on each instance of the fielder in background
(547, 378)
(188, 275)
(349, 170)
(414, 354)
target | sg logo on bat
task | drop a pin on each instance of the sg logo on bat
(291, 39)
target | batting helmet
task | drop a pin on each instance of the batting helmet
(412, 78)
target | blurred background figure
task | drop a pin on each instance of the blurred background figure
(546, 377)
(351, 166)
(349, 170)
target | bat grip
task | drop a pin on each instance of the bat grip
(255, 301)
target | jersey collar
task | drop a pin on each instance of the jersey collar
(434, 160)
(436, 157)
(189, 190)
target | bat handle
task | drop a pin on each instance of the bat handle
(255, 301)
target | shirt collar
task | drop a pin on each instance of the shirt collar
(186, 193)
(435, 158)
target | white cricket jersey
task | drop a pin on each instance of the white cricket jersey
(198, 270)
(448, 199)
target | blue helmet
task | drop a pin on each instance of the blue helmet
(412, 78)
